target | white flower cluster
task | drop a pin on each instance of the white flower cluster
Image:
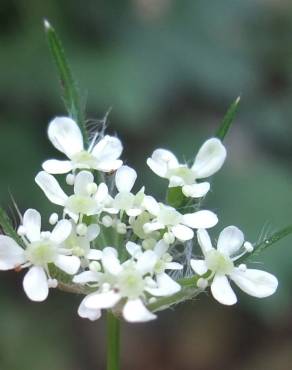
(121, 244)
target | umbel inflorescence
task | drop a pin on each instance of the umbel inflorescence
(119, 246)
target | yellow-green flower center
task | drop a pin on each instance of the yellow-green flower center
(131, 283)
(41, 253)
(219, 263)
(84, 159)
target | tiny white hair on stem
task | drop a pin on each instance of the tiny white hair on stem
(96, 128)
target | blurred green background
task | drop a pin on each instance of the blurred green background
(169, 70)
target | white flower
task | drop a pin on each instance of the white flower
(209, 160)
(83, 201)
(118, 281)
(166, 217)
(79, 245)
(159, 260)
(220, 262)
(125, 200)
(41, 250)
(66, 136)
(128, 281)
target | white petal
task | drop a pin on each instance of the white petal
(135, 311)
(125, 179)
(11, 254)
(66, 136)
(87, 313)
(182, 232)
(35, 284)
(102, 300)
(152, 226)
(209, 159)
(83, 179)
(151, 205)
(110, 262)
(230, 240)
(133, 249)
(94, 254)
(54, 166)
(200, 220)
(133, 212)
(86, 277)
(176, 181)
(196, 190)
(93, 231)
(222, 291)
(61, 231)
(166, 286)
(199, 266)
(204, 241)
(256, 283)
(161, 248)
(108, 149)
(32, 224)
(51, 188)
(146, 262)
(69, 264)
(109, 166)
(161, 160)
(102, 193)
(110, 251)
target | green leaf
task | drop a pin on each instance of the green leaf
(227, 120)
(70, 91)
(266, 243)
(175, 197)
(8, 228)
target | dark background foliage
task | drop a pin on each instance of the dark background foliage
(169, 69)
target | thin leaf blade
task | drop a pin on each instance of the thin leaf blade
(70, 91)
(228, 120)
(8, 228)
(268, 242)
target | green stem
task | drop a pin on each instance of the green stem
(113, 342)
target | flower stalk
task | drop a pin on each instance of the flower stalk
(113, 342)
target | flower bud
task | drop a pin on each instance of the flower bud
(202, 283)
(107, 221)
(53, 218)
(168, 237)
(21, 231)
(81, 229)
(70, 179)
(121, 228)
(91, 188)
(248, 247)
(94, 266)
